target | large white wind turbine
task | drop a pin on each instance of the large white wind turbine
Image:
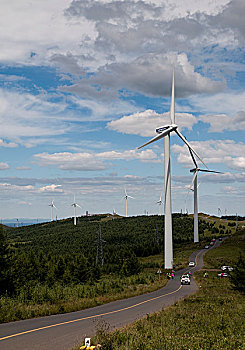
(195, 186)
(126, 201)
(165, 132)
(52, 207)
(75, 205)
(160, 203)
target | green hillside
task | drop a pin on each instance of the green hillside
(51, 267)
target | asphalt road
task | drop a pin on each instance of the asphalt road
(63, 331)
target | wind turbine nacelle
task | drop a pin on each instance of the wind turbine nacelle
(166, 127)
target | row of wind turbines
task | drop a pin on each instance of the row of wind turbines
(165, 132)
(74, 204)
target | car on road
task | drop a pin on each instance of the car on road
(228, 268)
(206, 246)
(211, 243)
(191, 263)
(223, 274)
(185, 279)
(220, 239)
(213, 240)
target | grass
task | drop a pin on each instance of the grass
(211, 319)
(61, 299)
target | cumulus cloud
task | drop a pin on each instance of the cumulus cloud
(25, 31)
(92, 161)
(214, 151)
(51, 188)
(145, 123)
(149, 74)
(222, 122)
(221, 103)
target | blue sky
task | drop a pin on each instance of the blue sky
(84, 83)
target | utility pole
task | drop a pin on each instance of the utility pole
(100, 255)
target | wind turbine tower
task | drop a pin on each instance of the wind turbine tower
(194, 184)
(75, 215)
(126, 201)
(165, 132)
(52, 207)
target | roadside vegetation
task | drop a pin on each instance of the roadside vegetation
(51, 267)
(213, 318)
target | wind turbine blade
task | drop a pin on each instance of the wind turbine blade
(79, 206)
(172, 109)
(159, 136)
(190, 147)
(131, 197)
(193, 179)
(192, 182)
(194, 160)
(210, 171)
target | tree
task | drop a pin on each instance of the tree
(238, 275)
(4, 259)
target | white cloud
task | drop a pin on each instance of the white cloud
(221, 103)
(13, 187)
(23, 115)
(38, 27)
(214, 151)
(145, 123)
(219, 123)
(4, 166)
(51, 188)
(92, 161)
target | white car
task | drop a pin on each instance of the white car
(185, 279)
(191, 263)
(223, 274)
(229, 268)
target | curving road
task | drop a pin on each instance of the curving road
(63, 331)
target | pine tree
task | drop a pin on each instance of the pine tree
(4, 260)
(238, 275)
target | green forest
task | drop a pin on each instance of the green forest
(48, 262)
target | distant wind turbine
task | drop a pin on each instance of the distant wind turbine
(160, 202)
(75, 205)
(126, 201)
(52, 207)
(195, 187)
(165, 131)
